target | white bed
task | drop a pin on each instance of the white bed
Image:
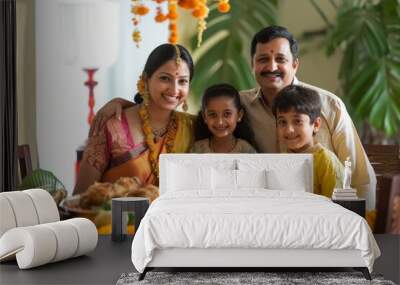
(247, 211)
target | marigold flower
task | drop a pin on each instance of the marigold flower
(187, 4)
(160, 18)
(173, 26)
(224, 7)
(183, 4)
(140, 10)
(172, 15)
(173, 38)
(200, 12)
(172, 8)
(192, 4)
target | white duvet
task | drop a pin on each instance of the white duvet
(253, 218)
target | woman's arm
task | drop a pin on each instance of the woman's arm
(87, 176)
(94, 161)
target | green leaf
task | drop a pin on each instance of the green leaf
(375, 94)
(369, 35)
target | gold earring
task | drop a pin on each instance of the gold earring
(185, 106)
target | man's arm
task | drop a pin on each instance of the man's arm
(111, 108)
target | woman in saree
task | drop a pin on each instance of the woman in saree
(131, 145)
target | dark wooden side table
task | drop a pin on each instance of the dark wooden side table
(120, 208)
(356, 205)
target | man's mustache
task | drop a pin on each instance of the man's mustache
(266, 73)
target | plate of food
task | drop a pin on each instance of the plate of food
(95, 202)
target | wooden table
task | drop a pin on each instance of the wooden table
(355, 205)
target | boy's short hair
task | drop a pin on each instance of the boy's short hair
(301, 99)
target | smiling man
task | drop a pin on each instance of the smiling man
(274, 60)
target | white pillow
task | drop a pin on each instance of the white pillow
(290, 179)
(282, 173)
(223, 179)
(185, 177)
(251, 178)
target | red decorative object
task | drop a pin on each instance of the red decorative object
(91, 83)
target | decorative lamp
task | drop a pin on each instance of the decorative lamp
(90, 30)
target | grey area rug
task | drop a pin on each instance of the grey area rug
(228, 278)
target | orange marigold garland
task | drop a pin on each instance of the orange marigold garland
(201, 13)
(154, 154)
(173, 16)
(138, 9)
(199, 10)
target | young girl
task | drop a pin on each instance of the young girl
(221, 126)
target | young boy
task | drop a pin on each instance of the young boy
(297, 111)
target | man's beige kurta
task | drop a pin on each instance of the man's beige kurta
(337, 133)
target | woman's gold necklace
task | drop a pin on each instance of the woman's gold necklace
(171, 130)
(159, 132)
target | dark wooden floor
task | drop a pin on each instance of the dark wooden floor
(102, 266)
(110, 260)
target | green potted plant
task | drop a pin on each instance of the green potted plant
(368, 34)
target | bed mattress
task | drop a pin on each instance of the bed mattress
(250, 219)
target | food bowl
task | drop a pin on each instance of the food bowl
(70, 205)
(102, 218)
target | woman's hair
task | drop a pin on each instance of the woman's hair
(242, 131)
(159, 56)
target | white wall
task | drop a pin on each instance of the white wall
(61, 106)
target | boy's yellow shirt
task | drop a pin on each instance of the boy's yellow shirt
(328, 174)
(328, 170)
